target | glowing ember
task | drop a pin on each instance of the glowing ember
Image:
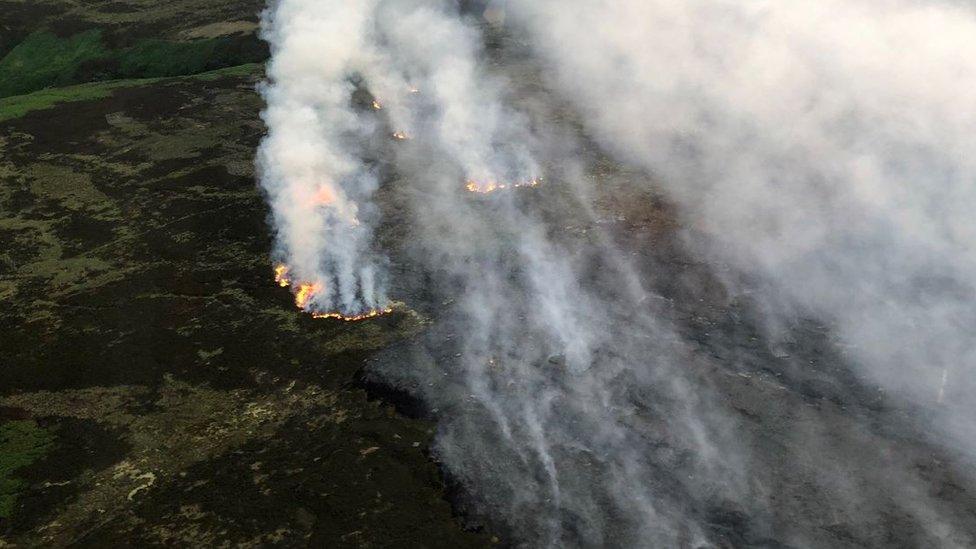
(400, 136)
(485, 187)
(281, 275)
(376, 105)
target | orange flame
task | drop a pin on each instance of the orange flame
(308, 290)
(281, 275)
(485, 187)
(372, 313)
(400, 136)
(376, 105)
(305, 294)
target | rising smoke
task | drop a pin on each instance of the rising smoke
(311, 161)
(819, 158)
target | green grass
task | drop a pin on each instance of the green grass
(151, 58)
(21, 444)
(44, 60)
(247, 69)
(17, 106)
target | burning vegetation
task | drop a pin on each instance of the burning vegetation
(281, 275)
(372, 313)
(485, 187)
(306, 291)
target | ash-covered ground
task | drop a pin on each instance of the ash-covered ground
(159, 388)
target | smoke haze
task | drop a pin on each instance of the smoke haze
(823, 147)
(736, 308)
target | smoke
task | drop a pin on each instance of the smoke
(822, 148)
(593, 384)
(312, 160)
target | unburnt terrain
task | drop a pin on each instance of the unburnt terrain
(157, 387)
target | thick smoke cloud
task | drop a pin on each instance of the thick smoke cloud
(818, 156)
(824, 147)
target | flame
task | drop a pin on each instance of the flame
(400, 136)
(308, 290)
(305, 294)
(324, 196)
(485, 187)
(372, 313)
(376, 105)
(281, 275)
(413, 90)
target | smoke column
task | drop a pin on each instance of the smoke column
(311, 161)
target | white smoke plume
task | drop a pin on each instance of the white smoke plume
(822, 147)
(593, 388)
(311, 161)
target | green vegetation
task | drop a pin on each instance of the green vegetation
(236, 71)
(17, 106)
(150, 58)
(21, 444)
(44, 60)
